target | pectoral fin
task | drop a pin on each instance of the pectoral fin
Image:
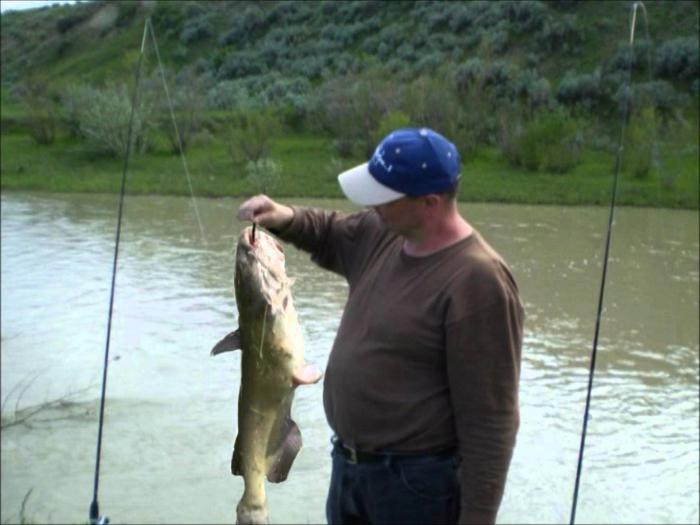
(229, 343)
(281, 460)
(308, 375)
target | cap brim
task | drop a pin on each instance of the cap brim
(362, 188)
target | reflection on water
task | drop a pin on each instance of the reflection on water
(170, 414)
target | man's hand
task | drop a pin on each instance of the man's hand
(262, 210)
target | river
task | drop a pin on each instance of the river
(170, 413)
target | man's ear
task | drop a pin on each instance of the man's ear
(432, 200)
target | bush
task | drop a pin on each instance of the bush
(526, 16)
(390, 122)
(678, 59)
(68, 22)
(351, 107)
(263, 173)
(244, 27)
(496, 41)
(103, 118)
(638, 57)
(552, 142)
(241, 64)
(250, 134)
(560, 34)
(195, 30)
(640, 155)
(580, 90)
(167, 17)
(660, 95)
(188, 97)
(41, 108)
(229, 95)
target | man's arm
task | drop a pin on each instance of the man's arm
(483, 365)
(333, 240)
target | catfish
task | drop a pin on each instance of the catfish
(272, 366)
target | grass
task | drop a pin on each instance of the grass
(309, 168)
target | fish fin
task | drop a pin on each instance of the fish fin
(308, 375)
(281, 460)
(229, 343)
(236, 469)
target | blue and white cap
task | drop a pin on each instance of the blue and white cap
(409, 161)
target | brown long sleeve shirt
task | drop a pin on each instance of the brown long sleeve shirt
(427, 355)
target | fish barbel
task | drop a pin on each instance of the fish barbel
(272, 366)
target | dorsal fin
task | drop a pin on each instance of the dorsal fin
(229, 343)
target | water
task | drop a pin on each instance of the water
(170, 413)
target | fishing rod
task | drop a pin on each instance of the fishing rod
(618, 165)
(95, 518)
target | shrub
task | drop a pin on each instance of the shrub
(551, 142)
(560, 34)
(499, 76)
(390, 122)
(678, 59)
(637, 57)
(427, 63)
(430, 101)
(264, 173)
(167, 17)
(283, 13)
(661, 95)
(68, 22)
(229, 95)
(580, 89)
(195, 30)
(351, 107)
(526, 16)
(467, 73)
(496, 41)
(104, 119)
(188, 97)
(128, 10)
(241, 64)
(41, 108)
(250, 134)
(244, 26)
(640, 156)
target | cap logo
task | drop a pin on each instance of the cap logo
(379, 159)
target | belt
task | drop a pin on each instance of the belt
(355, 456)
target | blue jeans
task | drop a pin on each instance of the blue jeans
(394, 489)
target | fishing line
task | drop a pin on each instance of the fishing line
(618, 165)
(177, 131)
(95, 517)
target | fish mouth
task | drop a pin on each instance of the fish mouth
(246, 239)
(250, 242)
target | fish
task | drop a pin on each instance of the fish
(272, 366)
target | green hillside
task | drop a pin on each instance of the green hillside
(538, 87)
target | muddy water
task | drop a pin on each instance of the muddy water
(170, 412)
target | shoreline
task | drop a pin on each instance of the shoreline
(306, 167)
(39, 192)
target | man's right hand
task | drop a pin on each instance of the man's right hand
(262, 210)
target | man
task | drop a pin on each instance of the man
(421, 387)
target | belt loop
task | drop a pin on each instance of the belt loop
(353, 455)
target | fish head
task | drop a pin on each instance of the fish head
(260, 268)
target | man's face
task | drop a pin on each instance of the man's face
(402, 216)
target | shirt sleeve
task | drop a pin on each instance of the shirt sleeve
(335, 241)
(483, 367)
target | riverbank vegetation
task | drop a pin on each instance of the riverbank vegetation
(281, 96)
